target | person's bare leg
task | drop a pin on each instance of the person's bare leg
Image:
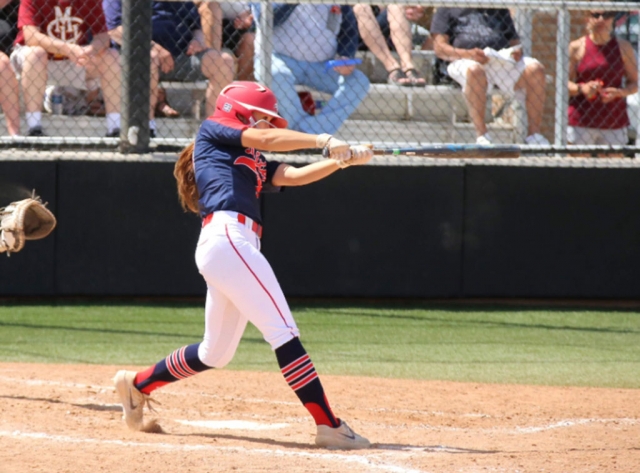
(34, 78)
(533, 81)
(219, 68)
(153, 84)
(401, 35)
(245, 52)
(475, 93)
(373, 38)
(9, 96)
(107, 67)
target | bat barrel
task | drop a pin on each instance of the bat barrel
(454, 151)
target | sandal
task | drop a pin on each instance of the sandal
(397, 77)
(415, 78)
(165, 110)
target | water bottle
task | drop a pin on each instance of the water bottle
(320, 104)
(56, 101)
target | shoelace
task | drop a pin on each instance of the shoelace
(146, 400)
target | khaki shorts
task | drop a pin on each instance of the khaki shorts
(577, 135)
(63, 73)
(499, 74)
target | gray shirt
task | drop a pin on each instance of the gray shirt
(470, 28)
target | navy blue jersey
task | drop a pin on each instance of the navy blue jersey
(230, 176)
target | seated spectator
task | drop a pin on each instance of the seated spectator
(482, 47)
(602, 72)
(9, 89)
(393, 22)
(229, 26)
(178, 51)
(305, 37)
(65, 47)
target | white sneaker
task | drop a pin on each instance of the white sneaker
(342, 438)
(537, 139)
(133, 402)
(484, 140)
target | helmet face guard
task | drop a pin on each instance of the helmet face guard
(242, 98)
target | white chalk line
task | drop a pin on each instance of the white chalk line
(357, 459)
(232, 424)
(573, 422)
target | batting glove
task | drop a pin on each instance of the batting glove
(358, 155)
(332, 147)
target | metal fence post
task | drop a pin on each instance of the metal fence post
(264, 45)
(562, 77)
(136, 75)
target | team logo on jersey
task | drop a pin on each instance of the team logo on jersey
(257, 164)
(65, 26)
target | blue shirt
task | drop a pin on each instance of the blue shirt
(172, 23)
(230, 176)
(348, 36)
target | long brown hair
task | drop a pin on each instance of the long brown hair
(186, 180)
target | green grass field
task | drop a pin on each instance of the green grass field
(564, 347)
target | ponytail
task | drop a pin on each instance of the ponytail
(186, 180)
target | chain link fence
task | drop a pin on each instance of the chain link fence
(124, 75)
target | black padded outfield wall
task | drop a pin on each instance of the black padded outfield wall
(429, 232)
(121, 231)
(372, 231)
(29, 273)
(552, 232)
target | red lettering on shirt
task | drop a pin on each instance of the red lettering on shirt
(257, 164)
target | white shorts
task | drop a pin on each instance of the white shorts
(63, 73)
(499, 73)
(577, 135)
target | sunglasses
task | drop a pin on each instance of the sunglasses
(604, 15)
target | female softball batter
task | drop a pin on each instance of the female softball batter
(221, 177)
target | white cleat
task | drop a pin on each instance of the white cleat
(133, 402)
(340, 438)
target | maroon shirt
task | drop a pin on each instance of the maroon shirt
(600, 62)
(72, 21)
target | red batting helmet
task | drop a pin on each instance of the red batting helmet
(244, 97)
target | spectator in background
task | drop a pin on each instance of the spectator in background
(305, 37)
(67, 46)
(481, 44)
(9, 89)
(238, 34)
(602, 72)
(229, 26)
(178, 50)
(393, 22)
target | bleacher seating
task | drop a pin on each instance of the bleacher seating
(441, 109)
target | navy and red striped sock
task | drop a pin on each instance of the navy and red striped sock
(300, 374)
(181, 364)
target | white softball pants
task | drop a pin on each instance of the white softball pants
(241, 287)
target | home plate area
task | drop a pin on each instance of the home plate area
(64, 418)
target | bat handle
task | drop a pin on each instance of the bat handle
(326, 152)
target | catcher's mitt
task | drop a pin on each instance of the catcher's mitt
(23, 220)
